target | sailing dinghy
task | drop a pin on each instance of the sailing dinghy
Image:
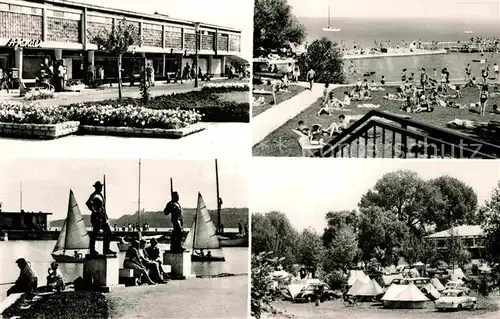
(202, 235)
(329, 28)
(73, 236)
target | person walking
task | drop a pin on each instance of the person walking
(99, 220)
(90, 74)
(174, 209)
(150, 75)
(311, 74)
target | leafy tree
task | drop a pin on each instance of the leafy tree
(275, 27)
(273, 232)
(457, 204)
(491, 226)
(325, 58)
(380, 236)
(412, 249)
(336, 279)
(407, 196)
(342, 251)
(457, 254)
(429, 252)
(310, 249)
(263, 266)
(117, 41)
(336, 220)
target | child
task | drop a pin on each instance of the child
(55, 280)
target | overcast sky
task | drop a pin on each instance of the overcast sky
(458, 9)
(46, 184)
(305, 190)
(232, 13)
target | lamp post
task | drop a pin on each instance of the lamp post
(197, 44)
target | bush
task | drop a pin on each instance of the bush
(325, 58)
(336, 280)
(263, 267)
(225, 87)
(38, 95)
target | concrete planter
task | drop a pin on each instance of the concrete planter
(141, 132)
(38, 131)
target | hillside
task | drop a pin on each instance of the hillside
(158, 219)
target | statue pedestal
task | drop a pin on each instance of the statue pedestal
(101, 272)
(180, 264)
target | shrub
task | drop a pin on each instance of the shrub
(325, 58)
(263, 267)
(225, 87)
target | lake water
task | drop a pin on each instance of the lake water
(38, 254)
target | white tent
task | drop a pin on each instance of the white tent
(366, 289)
(387, 279)
(430, 291)
(357, 275)
(459, 273)
(409, 297)
(437, 284)
(392, 292)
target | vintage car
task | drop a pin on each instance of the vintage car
(308, 293)
(457, 285)
(419, 282)
(455, 299)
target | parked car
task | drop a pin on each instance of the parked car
(419, 282)
(308, 293)
(456, 285)
(455, 299)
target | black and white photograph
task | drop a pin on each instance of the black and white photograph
(375, 239)
(91, 78)
(376, 78)
(123, 238)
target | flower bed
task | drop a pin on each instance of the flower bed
(225, 87)
(42, 94)
(205, 102)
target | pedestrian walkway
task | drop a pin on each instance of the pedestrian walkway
(193, 298)
(270, 120)
(217, 140)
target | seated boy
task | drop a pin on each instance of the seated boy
(304, 129)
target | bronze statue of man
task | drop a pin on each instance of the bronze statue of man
(99, 220)
(174, 209)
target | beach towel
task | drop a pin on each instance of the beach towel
(261, 92)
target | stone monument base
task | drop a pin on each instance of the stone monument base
(101, 272)
(180, 264)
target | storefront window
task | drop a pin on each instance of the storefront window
(171, 65)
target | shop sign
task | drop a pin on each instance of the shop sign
(177, 51)
(22, 43)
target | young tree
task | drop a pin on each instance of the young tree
(263, 266)
(310, 249)
(275, 27)
(325, 58)
(491, 226)
(117, 41)
(457, 254)
(342, 251)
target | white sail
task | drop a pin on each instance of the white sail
(202, 232)
(74, 234)
(61, 240)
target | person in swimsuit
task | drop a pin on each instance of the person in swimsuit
(467, 73)
(483, 98)
(403, 76)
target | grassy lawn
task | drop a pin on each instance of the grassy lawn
(283, 142)
(238, 96)
(373, 310)
(280, 97)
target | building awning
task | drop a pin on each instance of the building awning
(459, 231)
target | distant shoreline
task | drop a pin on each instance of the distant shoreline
(393, 54)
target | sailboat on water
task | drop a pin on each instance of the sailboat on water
(330, 28)
(73, 237)
(202, 235)
(241, 240)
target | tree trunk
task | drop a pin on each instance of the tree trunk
(120, 76)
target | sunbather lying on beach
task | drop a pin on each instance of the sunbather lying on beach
(343, 123)
(495, 109)
(393, 97)
(316, 134)
(456, 105)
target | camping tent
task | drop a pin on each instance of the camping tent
(366, 289)
(387, 279)
(357, 275)
(404, 296)
(437, 284)
(459, 273)
(430, 291)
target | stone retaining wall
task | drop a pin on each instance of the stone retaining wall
(41, 131)
(141, 132)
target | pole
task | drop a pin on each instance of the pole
(218, 198)
(21, 196)
(171, 189)
(197, 31)
(104, 192)
(139, 202)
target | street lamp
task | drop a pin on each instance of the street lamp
(197, 44)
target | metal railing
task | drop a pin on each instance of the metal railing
(381, 134)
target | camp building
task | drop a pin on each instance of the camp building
(24, 221)
(471, 236)
(32, 31)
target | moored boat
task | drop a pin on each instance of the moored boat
(73, 237)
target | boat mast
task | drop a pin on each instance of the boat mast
(139, 202)
(195, 222)
(21, 196)
(104, 192)
(218, 198)
(328, 17)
